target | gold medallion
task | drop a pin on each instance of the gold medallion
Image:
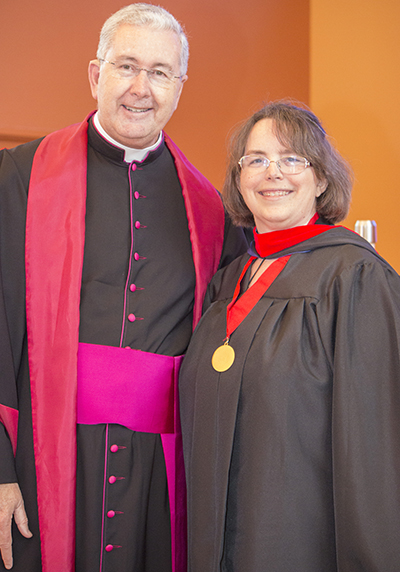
(223, 358)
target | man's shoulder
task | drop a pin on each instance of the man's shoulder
(23, 152)
(19, 159)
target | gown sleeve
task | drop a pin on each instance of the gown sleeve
(362, 312)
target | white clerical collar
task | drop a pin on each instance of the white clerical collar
(130, 153)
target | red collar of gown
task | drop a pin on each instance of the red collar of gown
(269, 243)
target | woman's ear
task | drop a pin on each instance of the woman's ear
(321, 187)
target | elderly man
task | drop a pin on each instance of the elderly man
(117, 235)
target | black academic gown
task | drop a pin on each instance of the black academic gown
(164, 299)
(293, 455)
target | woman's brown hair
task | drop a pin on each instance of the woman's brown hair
(300, 130)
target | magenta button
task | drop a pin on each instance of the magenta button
(136, 195)
(136, 256)
(137, 224)
(132, 287)
(131, 317)
(109, 547)
(112, 480)
(134, 167)
(114, 448)
(111, 514)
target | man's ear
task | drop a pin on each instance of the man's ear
(94, 73)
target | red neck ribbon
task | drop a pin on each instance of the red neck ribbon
(237, 310)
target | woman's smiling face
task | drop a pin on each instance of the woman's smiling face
(277, 201)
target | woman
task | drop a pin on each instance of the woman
(290, 390)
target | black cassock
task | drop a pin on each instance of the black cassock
(164, 299)
(293, 454)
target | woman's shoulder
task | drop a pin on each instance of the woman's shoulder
(331, 261)
(339, 249)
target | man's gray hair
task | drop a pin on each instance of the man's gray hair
(141, 14)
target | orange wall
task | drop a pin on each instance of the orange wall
(355, 89)
(241, 54)
(341, 57)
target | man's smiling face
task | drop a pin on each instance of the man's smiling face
(133, 111)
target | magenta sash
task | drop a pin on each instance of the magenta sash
(129, 387)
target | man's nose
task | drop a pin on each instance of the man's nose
(140, 84)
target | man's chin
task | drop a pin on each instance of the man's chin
(137, 138)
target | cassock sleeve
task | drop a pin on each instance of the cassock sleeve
(8, 399)
(15, 168)
(362, 312)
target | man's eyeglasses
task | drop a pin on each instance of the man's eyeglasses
(288, 165)
(127, 70)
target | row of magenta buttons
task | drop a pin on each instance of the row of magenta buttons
(136, 256)
(111, 513)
